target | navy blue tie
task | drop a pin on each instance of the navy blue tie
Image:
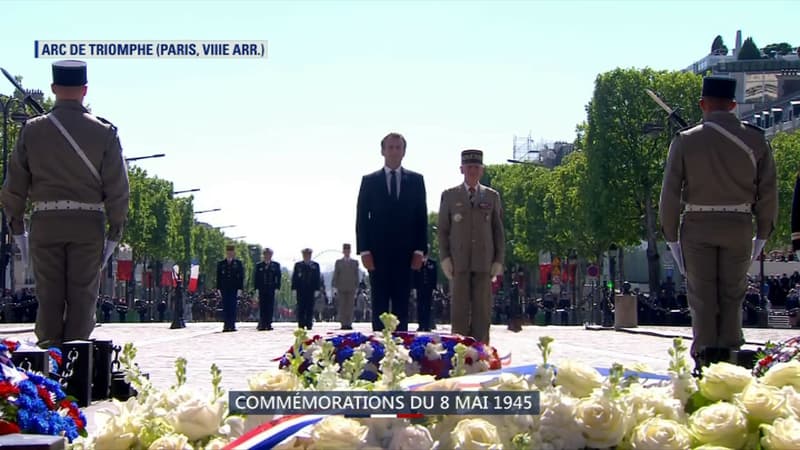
(393, 185)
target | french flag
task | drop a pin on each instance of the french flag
(194, 274)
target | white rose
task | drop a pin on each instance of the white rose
(783, 374)
(557, 425)
(216, 444)
(603, 422)
(792, 400)
(475, 434)
(275, 380)
(232, 427)
(509, 426)
(434, 351)
(654, 402)
(336, 432)
(711, 447)
(507, 382)
(578, 379)
(722, 380)
(783, 434)
(117, 430)
(445, 384)
(544, 376)
(660, 434)
(171, 442)
(721, 424)
(762, 403)
(197, 418)
(414, 437)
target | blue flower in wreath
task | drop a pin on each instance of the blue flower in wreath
(343, 354)
(369, 375)
(337, 341)
(377, 353)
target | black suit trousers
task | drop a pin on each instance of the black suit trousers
(305, 309)
(266, 305)
(424, 305)
(391, 288)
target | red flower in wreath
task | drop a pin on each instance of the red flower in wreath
(8, 427)
(8, 389)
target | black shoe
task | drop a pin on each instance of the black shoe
(261, 328)
(347, 328)
(268, 328)
(228, 330)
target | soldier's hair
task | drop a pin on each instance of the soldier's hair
(393, 135)
(719, 104)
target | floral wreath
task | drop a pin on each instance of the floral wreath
(775, 353)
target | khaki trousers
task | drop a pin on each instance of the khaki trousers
(716, 249)
(346, 301)
(471, 308)
(66, 249)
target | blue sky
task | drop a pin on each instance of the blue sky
(280, 144)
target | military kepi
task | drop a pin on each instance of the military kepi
(472, 157)
(720, 87)
(69, 73)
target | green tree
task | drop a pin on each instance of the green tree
(749, 50)
(782, 48)
(625, 164)
(718, 46)
(523, 190)
(786, 148)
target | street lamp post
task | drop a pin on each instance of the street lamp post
(19, 116)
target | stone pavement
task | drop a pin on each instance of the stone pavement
(246, 352)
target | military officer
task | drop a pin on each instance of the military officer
(425, 280)
(70, 164)
(267, 280)
(720, 174)
(472, 247)
(230, 282)
(345, 284)
(306, 281)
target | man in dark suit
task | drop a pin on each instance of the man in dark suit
(267, 280)
(230, 282)
(306, 283)
(425, 282)
(392, 231)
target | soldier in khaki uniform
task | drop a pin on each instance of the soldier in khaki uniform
(472, 247)
(69, 163)
(721, 173)
(345, 282)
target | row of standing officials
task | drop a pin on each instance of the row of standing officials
(306, 283)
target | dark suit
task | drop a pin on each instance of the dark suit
(391, 229)
(425, 282)
(306, 280)
(230, 278)
(267, 279)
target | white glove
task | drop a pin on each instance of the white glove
(238, 292)
(758, 245)
(316, 294)
(108, 249)
(294, 296)
(677, 255)
(497, 269)
(22, 244)
(335, 291)
(447, 268)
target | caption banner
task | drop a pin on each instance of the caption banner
(150, 49)
(360, 403)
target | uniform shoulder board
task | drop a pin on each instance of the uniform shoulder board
(105, 121)
(754, 127)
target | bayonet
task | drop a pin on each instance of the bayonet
(673, 114)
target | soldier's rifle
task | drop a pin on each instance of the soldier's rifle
(28, 99)
(674, 116)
